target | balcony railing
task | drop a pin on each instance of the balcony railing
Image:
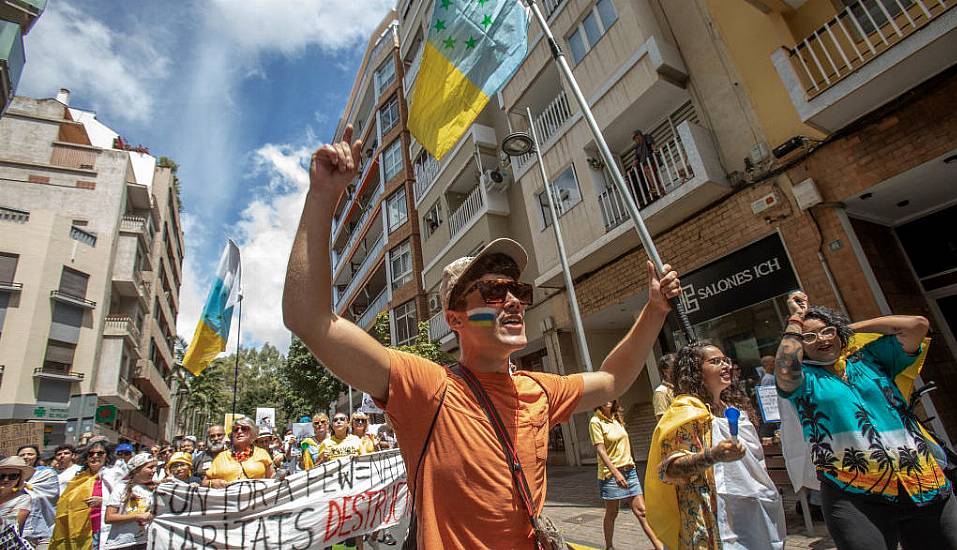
(84, 237)
(360, 225)
(548, 122)
(72, 300)
(58, 373)
(337, 224)
(425, 173)
(10, 286)
(375, 307)
(469, 209)
(409, 79)
(128, 391)
(613, 210)
(438, 327)
(133, 224)
(15, 215)
(122, 325)
(359, 275)
(858, 34)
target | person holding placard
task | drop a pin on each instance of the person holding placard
(706, 483)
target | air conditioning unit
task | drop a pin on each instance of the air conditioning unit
(496, 180)
(435, 304)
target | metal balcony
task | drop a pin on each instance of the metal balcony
(866, 55)
(55, 373)
(72, 300)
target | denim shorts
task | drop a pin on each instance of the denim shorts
(610, 490)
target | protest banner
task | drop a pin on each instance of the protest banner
(768, 403)
(266, 418)
(13, 436)
(314, 509)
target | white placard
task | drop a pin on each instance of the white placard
(266, 419)
(313, 509)
(368, 405)
(768, 401)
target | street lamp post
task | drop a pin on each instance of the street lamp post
(518, 144)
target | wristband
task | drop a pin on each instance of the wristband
(797, 335)
(796, 320)
(708, 457)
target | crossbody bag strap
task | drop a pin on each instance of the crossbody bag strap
(511, 458)
(425, 446)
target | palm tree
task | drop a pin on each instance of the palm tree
(879, 454)
(854, 461)
(819, 435)
(909, 461)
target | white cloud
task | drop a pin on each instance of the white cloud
(112, 71)
(264, 235)
(328, 24)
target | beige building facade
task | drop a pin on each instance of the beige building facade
(90, 269)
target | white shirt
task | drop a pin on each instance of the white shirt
(66, 476)
(10, 508)
(128, 533)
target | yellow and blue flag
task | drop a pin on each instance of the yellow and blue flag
(474, 47)
(212, 331)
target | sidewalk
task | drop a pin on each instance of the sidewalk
(574, 505)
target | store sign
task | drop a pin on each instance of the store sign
(755, 273)
(41, 412)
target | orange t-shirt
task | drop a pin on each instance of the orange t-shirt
(465, 497)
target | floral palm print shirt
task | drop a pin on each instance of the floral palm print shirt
(862, 439)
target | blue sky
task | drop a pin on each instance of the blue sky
(239, 93)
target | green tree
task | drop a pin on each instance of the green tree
(314, 386)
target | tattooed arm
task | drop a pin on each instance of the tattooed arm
(687, 466)
(787, 363)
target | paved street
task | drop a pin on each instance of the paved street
(574, 504)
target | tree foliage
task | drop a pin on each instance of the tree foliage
(315, 386)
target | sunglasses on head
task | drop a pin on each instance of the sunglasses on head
(496, 291)
(14, 476)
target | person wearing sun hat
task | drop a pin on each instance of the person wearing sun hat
(484, 303)
(179, 468)
(15, 502)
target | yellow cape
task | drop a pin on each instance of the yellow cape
(307, 462)
(73, 530)
(661, 498)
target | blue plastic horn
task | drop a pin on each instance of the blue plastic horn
(733, 414)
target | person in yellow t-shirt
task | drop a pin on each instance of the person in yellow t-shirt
(243, 461)
(340, 442)
(360, 426)
(617, 476)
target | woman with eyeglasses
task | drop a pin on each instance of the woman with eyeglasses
(44, 490)
(880, 480)
(708, 488)
(340, 442)
(79, 509)
(243, 461)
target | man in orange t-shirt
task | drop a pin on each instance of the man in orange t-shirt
(464, 496)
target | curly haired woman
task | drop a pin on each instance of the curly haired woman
(880, 481)
(710, 489)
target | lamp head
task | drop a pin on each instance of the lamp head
(517, 144)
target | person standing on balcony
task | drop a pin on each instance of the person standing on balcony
(464, 495)
(645, 170)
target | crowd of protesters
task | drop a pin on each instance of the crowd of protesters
(99, 495)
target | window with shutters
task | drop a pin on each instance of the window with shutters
(74, 283)
(58, 357)
(8, 267)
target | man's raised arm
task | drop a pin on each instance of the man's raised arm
(307, 310)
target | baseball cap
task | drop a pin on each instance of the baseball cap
(459, 270)
(138, 461)
(124, 448)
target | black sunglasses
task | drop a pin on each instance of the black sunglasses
(495, 291)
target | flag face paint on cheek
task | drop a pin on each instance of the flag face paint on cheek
(482, 316)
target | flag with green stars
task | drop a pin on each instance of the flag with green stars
(474, 47)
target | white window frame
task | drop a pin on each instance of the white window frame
(391, 106)
(400, 258)
(563, 204)
(392, 159)
(396, 217)
(400, 314)
(434, 211)
(381, 83)
(579, 30)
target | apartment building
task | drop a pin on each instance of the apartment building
(376, 249)
(16, 19)
(695, 100)
(91, 253)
